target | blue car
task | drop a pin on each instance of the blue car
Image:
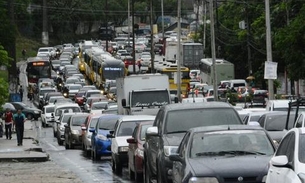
(101, 145)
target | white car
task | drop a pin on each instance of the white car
(46, 52)
(288, 163)
(98, 107)
(46, 115)
(123, 130)
(73, 89)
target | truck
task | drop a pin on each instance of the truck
(191, 55)
(142, 94)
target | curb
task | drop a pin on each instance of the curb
(41, 157)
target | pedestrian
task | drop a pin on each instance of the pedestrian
(21, 92)
(30, 92)
(19, 120)
(8, 119)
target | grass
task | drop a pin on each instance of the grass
(29, 45)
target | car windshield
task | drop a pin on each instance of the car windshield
(93, 122)
(98, 106)
(53, 99)
(126, 128)
(66, 118)
(237, 143)
(278, 122)
(49, 109)
(78, 120)
(176, 120)
(107, 123)
(75, 87)
(302, 148)
(143, 131)
(61, 110)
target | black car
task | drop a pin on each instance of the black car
(29, 112)
(235, 153)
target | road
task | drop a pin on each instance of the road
(75, 161)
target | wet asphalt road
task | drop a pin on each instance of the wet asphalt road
(76, 161)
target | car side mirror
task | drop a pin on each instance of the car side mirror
(175, 157)
(280, 161)
(131, 140)
(110, 136)
(152, 131)
(92, 130)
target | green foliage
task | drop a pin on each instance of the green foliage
(4, 91)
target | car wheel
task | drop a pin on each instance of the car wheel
(54, 133)
(88, 153)
(96, 156)
(146, 173)
(29, 116)
(71, 146)
(112, 164)
(67, 145)
(43, 124)
(131, 173)
(118, 168)
(59, 141)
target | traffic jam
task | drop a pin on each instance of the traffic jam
(130, 116)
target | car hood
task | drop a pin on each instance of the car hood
(173, 139)
(76, 128)
(277, 135)
(73, 91)
(103, 132)
(122, 141)
(231, 166)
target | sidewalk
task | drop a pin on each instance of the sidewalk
(30, 151)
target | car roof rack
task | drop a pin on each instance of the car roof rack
(300, 101)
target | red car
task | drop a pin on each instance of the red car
(135, 151)
(79, 97)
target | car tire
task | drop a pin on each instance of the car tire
(96, 156)
(54, 133)
(67, 145)
(112, 164)
(43, 124)
(71, 146)
(146, 173)
(29, 116)
(59, 141)
(131, 173)
(118, 168)
(88, 153)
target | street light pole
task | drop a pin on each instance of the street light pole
(269, 47)
(178, 52)
(162, 15)
(152, 53)
(213, 50)
(128, 23)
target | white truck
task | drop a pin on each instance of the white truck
(142, 94)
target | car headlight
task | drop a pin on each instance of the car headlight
(57, 72)
(61, 128)
(139, 152)
(203, 180)
(60, 84)
(75, 132)
(102, 91)
(65, 94)
(36, 112)
(123, 149)
(168, 150)
(101, 137)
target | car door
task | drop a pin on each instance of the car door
(179, 166)
(299, 122)
(275, 174)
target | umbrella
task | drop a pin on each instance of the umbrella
(250, 77)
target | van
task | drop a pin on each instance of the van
(277, 105)
(235, 83)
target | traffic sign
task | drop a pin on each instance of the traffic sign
(270, 70)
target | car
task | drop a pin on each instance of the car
(86, 134)
(171, 123)
(81, 77)
(99, 107)
(91, 100)
(288, 162)
(55, 65)
(275, 124)
(122, 131)
(60, 127)
(73, 90)
(235, 153)
(29, 112)
(259, 97)
(91, 92)
(41, 93)
(252, 116)
(101, 144)
(46, 117)
(47, 96)
(55, 99)
(73, 131)
(136, 151)
(140, 47)
(111, 94)
(79, 97)
(88, 87)
(72, 80)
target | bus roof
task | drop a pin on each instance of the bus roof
(208, 61)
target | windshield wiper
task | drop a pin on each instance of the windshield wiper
(222, 153)
(103, 128)
(181, 131)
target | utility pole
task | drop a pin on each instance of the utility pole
(128, 23)
(269, 47)
(133, 37)
(107, 33)
(213, 49)
(162, 15)
(197, 20)
(204, 7)
(248, 40)
(178, 52)
(152, 53)
(45, 33)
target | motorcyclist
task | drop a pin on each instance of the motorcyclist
(65, 92)
(59, 83)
